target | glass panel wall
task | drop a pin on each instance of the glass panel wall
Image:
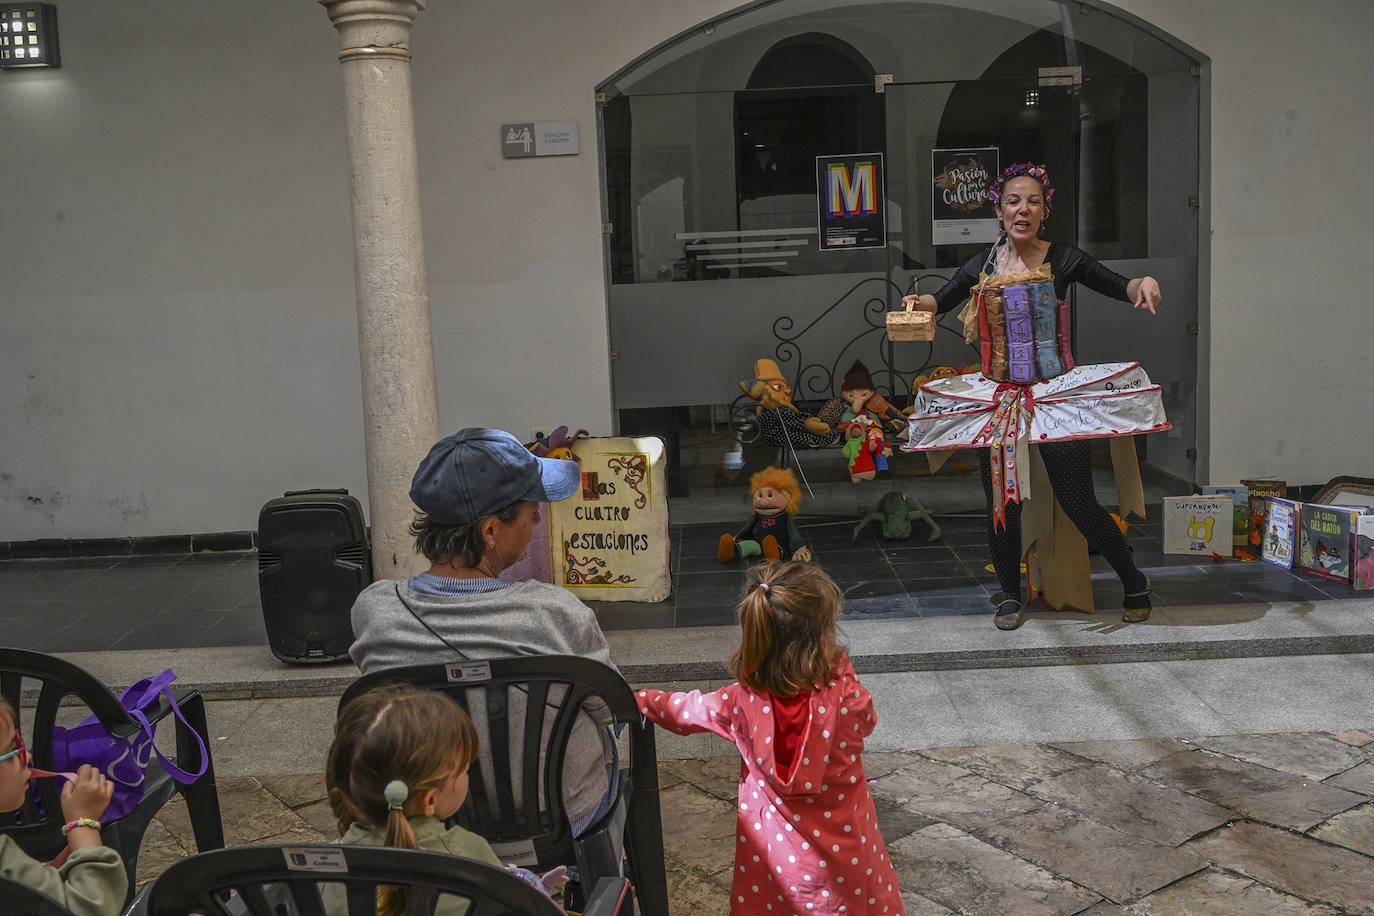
(714, 261)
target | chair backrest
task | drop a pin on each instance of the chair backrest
(517, 802)
(22, 900)
(529, 815)
(315, 880)
(38, 828)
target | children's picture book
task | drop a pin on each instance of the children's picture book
(1280, 530)
(1364, 551)
(1260, 491)
(1326, 540)
(1197, 525)
(1239, 495)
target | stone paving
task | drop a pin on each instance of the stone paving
(1272, 824)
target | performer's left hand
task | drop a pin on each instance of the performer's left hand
(1147, 294)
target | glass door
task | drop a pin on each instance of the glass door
(946, 142)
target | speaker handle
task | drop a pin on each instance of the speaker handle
(312, 492)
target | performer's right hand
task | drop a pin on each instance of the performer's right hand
(911, 303)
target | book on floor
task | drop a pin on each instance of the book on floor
(1364, 552)
(1197, 525)
(1239, 494)
(1259, 492)
(1326, 541)
(1280, 531)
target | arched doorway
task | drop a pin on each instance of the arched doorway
(712, 246)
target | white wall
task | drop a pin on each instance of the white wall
(177, 335)
(1291, 195)
(178, 341)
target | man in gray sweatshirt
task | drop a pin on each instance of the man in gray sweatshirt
(479, 492)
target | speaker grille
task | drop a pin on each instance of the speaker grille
(354, 556)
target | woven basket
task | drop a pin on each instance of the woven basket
(909, 324)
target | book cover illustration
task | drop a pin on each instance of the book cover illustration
(1364, 551)
(1259, 492)
(1280, 529)
(1197, 525)
(1239, 495)
(1325, 541)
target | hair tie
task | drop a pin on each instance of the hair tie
(396, 793)
(764, 586)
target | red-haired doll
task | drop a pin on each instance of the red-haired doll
(772, 532)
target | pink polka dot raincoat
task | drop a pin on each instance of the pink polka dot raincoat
(807, 842)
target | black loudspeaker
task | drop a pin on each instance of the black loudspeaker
(313, 560)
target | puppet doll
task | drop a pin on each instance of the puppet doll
(864, 447)
(558, 444)
(781, 423)
(858, 395)
(772, 532)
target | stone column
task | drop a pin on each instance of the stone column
(400, 400)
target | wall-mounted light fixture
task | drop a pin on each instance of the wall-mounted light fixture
(28, 35)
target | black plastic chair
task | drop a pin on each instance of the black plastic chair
(21, 900)
(38, 827)
(556, 688)
(289, 881)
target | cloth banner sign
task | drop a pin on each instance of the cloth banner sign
(610, 541)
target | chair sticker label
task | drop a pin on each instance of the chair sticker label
(468, 671)
(315, 858)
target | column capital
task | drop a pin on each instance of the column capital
(343, 10)
(372, 29)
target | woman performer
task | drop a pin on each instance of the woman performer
(1031, 390)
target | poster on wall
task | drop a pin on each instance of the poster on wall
(960, 210)
(610, 541)
(849, 200)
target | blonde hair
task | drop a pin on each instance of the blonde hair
(788, 640)
(419, 737)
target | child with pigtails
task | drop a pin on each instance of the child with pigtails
(807, 835)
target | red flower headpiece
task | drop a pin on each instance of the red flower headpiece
(1029, 169)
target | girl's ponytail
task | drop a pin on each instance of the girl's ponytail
(787, 628)
(391, 899)
(756, 632)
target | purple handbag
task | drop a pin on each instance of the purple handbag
(124, 760)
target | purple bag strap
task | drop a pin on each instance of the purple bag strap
(144, 694)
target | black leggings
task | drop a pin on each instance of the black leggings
(1069, 466)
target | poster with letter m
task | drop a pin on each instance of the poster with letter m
(849, 201)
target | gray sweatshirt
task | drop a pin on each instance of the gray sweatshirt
(528, 618)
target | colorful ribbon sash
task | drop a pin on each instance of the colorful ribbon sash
(1007, 436)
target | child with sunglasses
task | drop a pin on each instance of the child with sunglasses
(91, 880)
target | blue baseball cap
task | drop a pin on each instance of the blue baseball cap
(479, 472)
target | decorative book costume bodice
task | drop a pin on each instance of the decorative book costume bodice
(1022, 329)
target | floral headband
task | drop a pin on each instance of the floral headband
(1029, 169)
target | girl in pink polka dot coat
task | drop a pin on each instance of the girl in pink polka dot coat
(807, 838)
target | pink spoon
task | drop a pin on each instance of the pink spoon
(49, 774)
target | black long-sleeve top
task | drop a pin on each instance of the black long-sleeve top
(1067, 263)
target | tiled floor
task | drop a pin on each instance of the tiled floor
(1253, 824)
(204, 600)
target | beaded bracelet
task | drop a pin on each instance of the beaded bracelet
(81, 822)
